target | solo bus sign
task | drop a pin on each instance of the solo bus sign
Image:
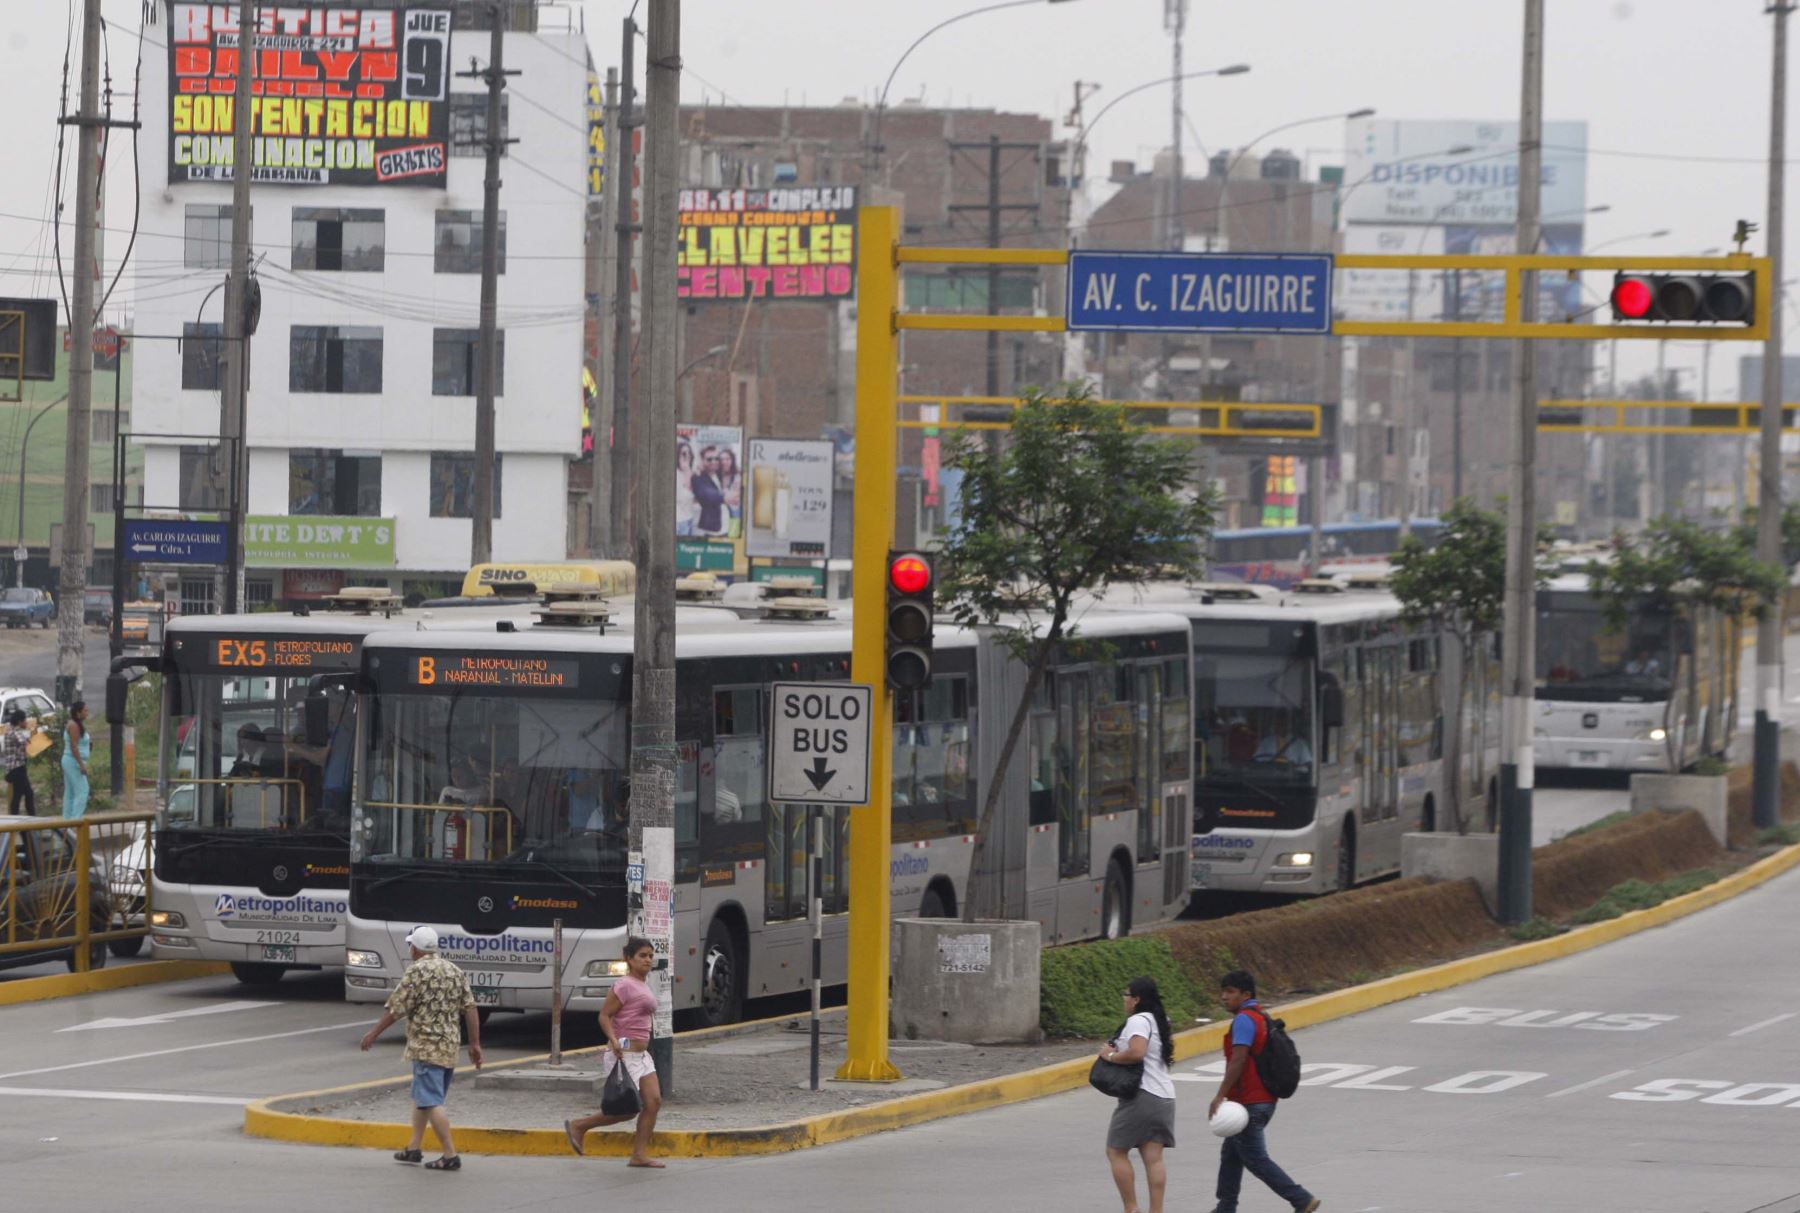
(341, 95)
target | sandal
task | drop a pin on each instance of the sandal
(409, 1156)
(453, 1163)
(569, 1132)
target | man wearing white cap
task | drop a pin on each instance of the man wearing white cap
(432, 995)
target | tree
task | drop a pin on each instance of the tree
(1076, 498)
(1459, 586)
(1686, 571)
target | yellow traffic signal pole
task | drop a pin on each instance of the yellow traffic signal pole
(871, 826)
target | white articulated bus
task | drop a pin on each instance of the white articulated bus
(1657, 694)
(491, 798)
(1319, 733)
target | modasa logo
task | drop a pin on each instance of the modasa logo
(544, 903)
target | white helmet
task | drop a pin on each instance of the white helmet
(1230, 1119)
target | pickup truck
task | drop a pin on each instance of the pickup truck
(21, 606)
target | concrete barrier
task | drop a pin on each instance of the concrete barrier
(974, 982)
(1455, 857)
(1707, 795)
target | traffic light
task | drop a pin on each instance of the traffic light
(1685, 298)
(909, 589)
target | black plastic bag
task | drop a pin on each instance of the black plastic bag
(619, 1097)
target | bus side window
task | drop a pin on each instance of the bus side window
(737, 756)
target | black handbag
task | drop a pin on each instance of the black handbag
(1116, 1078)
(619, 1097)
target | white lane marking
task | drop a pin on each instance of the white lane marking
(1592, 1082)
(236, 1101)
(1767, 1023)
(217, 1008)
(216, 1044)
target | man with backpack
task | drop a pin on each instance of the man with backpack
(1261, 1066)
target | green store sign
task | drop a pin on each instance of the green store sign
(318, 541)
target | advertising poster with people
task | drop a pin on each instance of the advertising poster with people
(790, 498)
(709, 494)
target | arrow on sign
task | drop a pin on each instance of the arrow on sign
(819, 776)
(143, 547)
(165, 1017)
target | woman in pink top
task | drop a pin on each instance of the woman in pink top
(626, 1018)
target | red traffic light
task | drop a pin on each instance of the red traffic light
(909, 574)
(1632, 298)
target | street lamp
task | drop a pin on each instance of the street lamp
(1081, 140)
(874, 147)
(712, 353)
(25, 445)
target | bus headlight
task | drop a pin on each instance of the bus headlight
(362, 960)
(167, 918)
(1657, 734)
(1295, 859)
(606, 968)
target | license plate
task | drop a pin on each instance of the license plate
(486, 996)
(1590, 758)
(278, 951)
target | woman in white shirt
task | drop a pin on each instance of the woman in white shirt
(1146, 1121)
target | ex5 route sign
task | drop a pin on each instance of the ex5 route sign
(819, 747)
(1200, 292)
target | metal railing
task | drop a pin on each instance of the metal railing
(1230, 418)
(481, 812)
(67, 885)
(261, 802)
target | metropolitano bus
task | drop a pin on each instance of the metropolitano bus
(492, 788)
(1658, 694)
(251, 853)
(1320, 732)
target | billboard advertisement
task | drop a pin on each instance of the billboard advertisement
(342, 95)
(318, 541)
(1402, 172)
(709, 482)
(790, 498)
(788, 243)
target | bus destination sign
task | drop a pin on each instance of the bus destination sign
(273, 654)
(498, 670)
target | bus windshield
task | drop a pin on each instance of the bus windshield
(235, 755)
(1581, 658)
(466, 778)
(1255, 719)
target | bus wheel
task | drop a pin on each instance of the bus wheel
(253, 973)
(932, 905)
(1346, 865)
(125, 949)
(1428, 818)
(721, 988)
(1493, 806)
(1115, 908)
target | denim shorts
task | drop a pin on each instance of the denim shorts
(430, 1084)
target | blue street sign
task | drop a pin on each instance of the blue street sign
(152, 541)
(1200, 292)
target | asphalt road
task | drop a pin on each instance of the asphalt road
(1661, 1073)
(28, 659)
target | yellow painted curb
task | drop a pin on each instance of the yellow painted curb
(66, 985)
(261, 1119)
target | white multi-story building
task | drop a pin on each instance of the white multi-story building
(361, 408)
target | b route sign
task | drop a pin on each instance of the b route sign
(1200, 292)
(155, 541)
(819, 747)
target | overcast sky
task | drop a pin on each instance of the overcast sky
(1675, 92)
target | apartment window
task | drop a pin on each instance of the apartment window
(454, 354)
(258, 594)
(334, 358)
(337, 238)
(202, 352)
(100, 499)
(107, 424)
(468, 124)
(334, 482)
(457, 242)
(198, 490)
(207, 237)
(453, 485)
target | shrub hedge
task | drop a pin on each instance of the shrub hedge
(1082, 984)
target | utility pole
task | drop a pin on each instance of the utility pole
(993, 274)
(1659, 477)
(1175, 21)
(1456, 390)
(624, 168)
(652, 843)
(1766, 786)
(233, 463)
(1519, 614)
(481, 532)
(603, 252)
(72, 583)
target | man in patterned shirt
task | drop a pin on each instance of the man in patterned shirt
(432, 995)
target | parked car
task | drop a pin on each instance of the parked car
(125, 889)
(35, 703)
(96, 607)
(21, 606)
(40, 867)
